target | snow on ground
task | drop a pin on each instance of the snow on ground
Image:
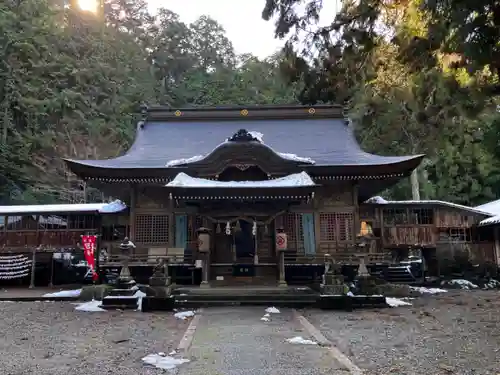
(266, 317)
(64, 293)
(424, 290)
(272, 310)
(164, 362)
(139, 296)
(301, 340)
(462, 283)
(396, 302)
(91, 306)
(492, 284)
(183, 315)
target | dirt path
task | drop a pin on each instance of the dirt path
(234, 340)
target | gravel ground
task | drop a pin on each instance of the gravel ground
(234, 341)
(42, 338)
(453, 333)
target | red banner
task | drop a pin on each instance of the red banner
(89, 246)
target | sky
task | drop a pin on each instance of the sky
(242, 20)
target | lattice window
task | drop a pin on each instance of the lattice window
(336, 226)
(456, 235)
(422, 216)
(395, 216)
(151, 229)
(292, 224)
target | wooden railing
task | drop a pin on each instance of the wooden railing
(145, 260)
(409, 235)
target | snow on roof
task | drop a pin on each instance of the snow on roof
(293, 180)
(113, 207)
(380, 200)
(260, 138)
(490, 221)
(492, 207)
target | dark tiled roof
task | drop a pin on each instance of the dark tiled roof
(326, 141)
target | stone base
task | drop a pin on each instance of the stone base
(282, 284)
(349, 303)
(338, 289)
(159, 281)
(204, 284)
(161, 291)
(122, 292)
(120, 302)
(367, 285)
(125, 283)
(158, 304)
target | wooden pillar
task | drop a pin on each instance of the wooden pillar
(171, 221)
(33, 268)
(496, 233)
(357, 222)
(133, 204)
(282, 280)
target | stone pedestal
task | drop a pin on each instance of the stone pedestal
(282, 279)
(123, 295)
(204, 269)
(333, 280)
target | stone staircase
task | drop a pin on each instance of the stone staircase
(191, 297)
(122, 297)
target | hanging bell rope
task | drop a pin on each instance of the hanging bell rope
(254, 228)
(218, 228)
(237, 228)
(228, 229)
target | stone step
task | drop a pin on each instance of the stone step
(267, 303)
(257, 297)
(122, 292)
(120, 302)
(245, 291)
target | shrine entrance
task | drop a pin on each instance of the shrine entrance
(243, 251)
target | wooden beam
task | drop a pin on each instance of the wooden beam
(133, 210)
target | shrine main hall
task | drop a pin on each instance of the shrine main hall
(244, 193)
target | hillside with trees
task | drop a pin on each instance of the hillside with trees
(417, 76)
(412, 78)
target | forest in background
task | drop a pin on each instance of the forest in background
(415, 77)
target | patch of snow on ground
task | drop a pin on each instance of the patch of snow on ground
(266, 317)
(91, 306)
(183, 315)
(424, 290)
(139, 296)
(492, 284)
(462, 283)
(164, 362)
(301, 340)
(272, 310)
(64, 293)
(396, 302)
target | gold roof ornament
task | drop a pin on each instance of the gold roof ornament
(311, 111)
(244, 112)
(178, 113)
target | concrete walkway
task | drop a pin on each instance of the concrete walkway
(234, 341)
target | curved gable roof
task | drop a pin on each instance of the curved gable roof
(327, 141)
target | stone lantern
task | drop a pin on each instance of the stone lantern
(126, 248)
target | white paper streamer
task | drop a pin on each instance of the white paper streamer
(14, 267)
